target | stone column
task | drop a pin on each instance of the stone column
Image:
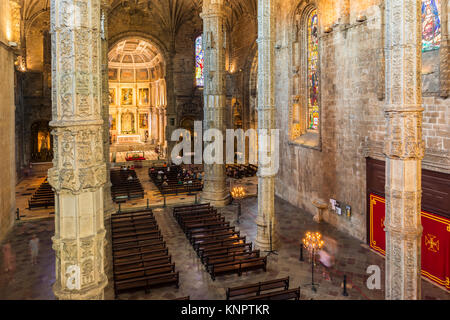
(266, 122)
(79, 171)
(157, 123)
(119, 122)
(214, 16)
(171, 111)
(404, 149)
(108, 203)
(444, 52)
(161, 126)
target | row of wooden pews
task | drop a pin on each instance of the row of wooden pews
(44, 197)
(220, 247)
(173, 186)
(141, 259)
(123, 187)
(269, 290)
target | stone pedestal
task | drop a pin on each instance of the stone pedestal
(320, 209)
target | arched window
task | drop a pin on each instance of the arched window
(431, 25)
(305, 108)
(199, 59)
(313, 71)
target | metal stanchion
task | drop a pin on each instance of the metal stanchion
(344, 284)
(301, 252)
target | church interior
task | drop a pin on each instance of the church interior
(353, 95)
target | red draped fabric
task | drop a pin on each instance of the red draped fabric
(435, 241)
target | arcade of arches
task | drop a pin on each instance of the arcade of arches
(359, 93)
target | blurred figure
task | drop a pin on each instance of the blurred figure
(327, 256)
(7, 257)
(34, 249)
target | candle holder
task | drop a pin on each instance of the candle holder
(313, 242)
(238, 193)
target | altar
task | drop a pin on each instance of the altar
(128, 139)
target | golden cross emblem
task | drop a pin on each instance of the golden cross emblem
(431, 243)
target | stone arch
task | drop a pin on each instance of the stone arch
(142, 36)
(41, 142)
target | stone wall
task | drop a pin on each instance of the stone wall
(353, 123)
(7, 164)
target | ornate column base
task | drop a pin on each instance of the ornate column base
(218, 199)
(262, 241)
(96, 292)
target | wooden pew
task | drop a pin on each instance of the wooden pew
(217, 244)
(291, 294)
(199, 233)
(238, 266)
(146, 282)
(231, 257)
(223, 251)
(255, 289)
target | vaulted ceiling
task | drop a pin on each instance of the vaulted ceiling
(172, 11)
(133, 54)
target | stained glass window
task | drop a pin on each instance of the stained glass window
(431, 25)
(199, 58)
(313, 71)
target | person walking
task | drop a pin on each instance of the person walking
(34, 249)
(7, 257)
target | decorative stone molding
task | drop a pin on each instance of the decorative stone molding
(404, 149)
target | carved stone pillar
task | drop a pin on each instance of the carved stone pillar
(265, 221)
(157, 123)
(214, 15)
(108, 203)
(79, 171)
(171, 113)
(161, 126)
(153, 124)
(444, 52)
(404, 149)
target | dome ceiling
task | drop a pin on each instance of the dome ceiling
(134, 53)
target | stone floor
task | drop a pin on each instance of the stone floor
(353, 257)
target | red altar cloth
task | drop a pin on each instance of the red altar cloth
(435, 241)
